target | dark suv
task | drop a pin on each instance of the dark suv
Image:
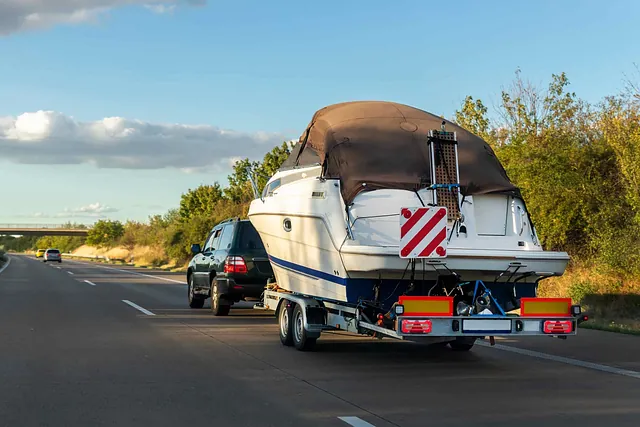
(232, 266)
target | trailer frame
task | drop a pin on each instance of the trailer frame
(319, 315)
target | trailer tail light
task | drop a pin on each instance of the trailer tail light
(416, 326)
(558, 326)
(235, 264)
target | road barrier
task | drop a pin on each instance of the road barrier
(94, 257)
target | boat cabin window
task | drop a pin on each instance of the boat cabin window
(269, 189)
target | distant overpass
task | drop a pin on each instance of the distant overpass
(41, 230)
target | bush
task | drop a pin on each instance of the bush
(105, 233)
(66, 244)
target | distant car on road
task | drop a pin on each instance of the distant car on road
(233, 266)
(52, 255)
(40, 253)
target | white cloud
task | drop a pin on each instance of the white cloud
(20, 15)
(49, 137)
(92, 210)
(160, 8)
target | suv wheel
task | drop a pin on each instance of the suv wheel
(219, 305)
(461, 345)
(195, 301)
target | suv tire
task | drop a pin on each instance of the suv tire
(195, 301)
(218, 306)
(461, 345)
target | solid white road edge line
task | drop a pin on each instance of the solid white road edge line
(137, 307)
(135, 273)
(6, 265)
(91, 283)
(355, 422)
(70, 272)
(145, 275)
(567, 360)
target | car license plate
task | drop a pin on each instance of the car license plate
(487, 325)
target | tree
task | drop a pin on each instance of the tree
(199, 201)
(105, 233)
(577, 167)
(473, 117)
(240, 189)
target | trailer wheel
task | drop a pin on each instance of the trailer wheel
(285, 324)
(461, 345)
(301, 339)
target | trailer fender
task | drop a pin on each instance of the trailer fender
(313, 313)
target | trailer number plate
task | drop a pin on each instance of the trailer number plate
(487, 325)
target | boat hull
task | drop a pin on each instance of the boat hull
(310, 262)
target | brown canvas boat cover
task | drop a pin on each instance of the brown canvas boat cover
(372, 145)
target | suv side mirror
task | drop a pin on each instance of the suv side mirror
(195, 248)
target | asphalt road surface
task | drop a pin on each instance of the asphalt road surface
(92, 345)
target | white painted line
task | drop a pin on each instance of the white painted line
(59, 268)
(567, 360)
(91, 283)
(70, 272)
(356, 422)
(136, 273)
(147, 275)
(6, 264)
(137, 307)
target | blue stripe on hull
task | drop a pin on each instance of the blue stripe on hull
(391, 289)
(309, 271)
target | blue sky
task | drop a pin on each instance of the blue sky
(260, 69)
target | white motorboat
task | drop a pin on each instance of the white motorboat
(333, 217)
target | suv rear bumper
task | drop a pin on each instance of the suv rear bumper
(235, 292)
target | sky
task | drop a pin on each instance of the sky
(114, 108)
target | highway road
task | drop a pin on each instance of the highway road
(93, 345)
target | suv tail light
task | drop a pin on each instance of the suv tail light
(235, 264)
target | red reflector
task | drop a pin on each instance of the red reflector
(558, 326)
(235, 264)
(416, 326)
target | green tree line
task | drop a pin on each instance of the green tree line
(172, 233)
(577, 164)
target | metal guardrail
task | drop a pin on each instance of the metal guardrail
(95, 257)
(45, 226)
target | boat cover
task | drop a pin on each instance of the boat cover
(371, 145)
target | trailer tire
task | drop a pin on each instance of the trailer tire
(460, 345)
(301, 339)
(285, 313)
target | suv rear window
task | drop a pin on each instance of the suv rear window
(248, 237)
(53, 251)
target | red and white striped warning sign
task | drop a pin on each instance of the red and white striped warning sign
(423, 232)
